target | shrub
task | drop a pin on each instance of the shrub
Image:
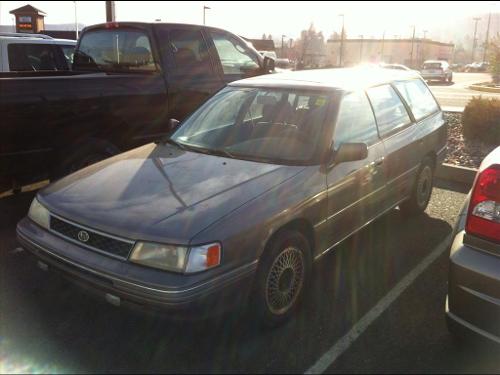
(481, 120)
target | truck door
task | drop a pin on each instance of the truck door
(191, 74)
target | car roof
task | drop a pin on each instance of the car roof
(343, 79)
(23, 39)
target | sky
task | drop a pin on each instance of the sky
(252, 19)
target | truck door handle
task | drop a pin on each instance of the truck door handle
(379, 162)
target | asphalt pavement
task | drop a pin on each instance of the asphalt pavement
(457, 93)
(47, 325)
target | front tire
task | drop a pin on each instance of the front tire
(421, 191)
(281, 278)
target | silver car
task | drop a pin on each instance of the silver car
(437, 70)
(473, 302)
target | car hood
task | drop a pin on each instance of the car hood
(160, 192)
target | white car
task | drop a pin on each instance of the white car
(399, 67)
(21, 52)
(437, 70)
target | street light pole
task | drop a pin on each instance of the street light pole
(76, 21)
(476, 19)
(341, 62)
(487, 37)
(204, 9)
(425, 34)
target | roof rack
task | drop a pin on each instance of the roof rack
(26, 35)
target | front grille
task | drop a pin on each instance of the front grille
(95, 240)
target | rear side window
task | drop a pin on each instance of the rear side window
(115, 50)
(33, 57)
(390, 111)
(190, 53)
(355, 121)
(418, 97)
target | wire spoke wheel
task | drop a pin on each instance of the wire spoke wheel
(285, 280)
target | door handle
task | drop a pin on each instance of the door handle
(379, 162)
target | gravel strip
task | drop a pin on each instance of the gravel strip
(461, 151)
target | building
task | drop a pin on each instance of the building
(409, 52)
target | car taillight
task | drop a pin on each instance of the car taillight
(483, 219)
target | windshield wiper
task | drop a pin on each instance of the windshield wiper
(172, 142)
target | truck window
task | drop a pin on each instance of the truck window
(190, 53)
(390, 111)
(236, 58)
(355, 121)
(418, 97)
(68, 52)
(33, 57)
(115, 50)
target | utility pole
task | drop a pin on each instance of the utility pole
(204, 10)
(361, 48)
(76, 21)
(476, 19)
(382, 49)
(110, 11)
(412, 42)
(282, 46)
(341, 62)
(425, 34)
(487, 37)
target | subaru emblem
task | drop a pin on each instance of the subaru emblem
(83, 236)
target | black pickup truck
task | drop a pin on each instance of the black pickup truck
(128, 80)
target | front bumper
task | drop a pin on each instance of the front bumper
(123, 283)
(473, 302)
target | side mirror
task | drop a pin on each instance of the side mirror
(173, 124)
(350, 152)
(268, 64)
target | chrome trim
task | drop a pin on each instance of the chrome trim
(357, 230)
(355, 203)
(83, 244)
(403, 174)
(26, 152)
(484, 297)
(134, 285)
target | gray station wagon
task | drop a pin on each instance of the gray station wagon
(266, 177)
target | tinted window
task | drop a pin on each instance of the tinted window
(355, 121)
(433, 66)
(190, 52)
(390, 111)
(115, 50)
(235, 57)
(418, 97)
(33, 57)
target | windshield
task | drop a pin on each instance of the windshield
(117, 50)
(280, 126)
(432, 66)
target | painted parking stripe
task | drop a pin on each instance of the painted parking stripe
(357, 330)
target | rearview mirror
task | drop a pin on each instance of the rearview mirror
(268, 64)
(173, 124)
(350, 152)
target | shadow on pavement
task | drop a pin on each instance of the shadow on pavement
(47, 321)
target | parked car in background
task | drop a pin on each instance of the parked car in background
(21, 52)
(477, 67)
(472, 305)
(399, 67)
(458, 67)
(436, 70)
(265, 178)
(127, 80)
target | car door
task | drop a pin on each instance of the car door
(237, 60)
(191, 73)
(401, 141)
(356, 188)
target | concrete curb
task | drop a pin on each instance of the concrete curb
(456, 173)
(484, 88)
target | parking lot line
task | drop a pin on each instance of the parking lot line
(327, 359)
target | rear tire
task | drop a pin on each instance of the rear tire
(281, 278)
(421, 191)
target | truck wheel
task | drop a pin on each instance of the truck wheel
(450, 79)
(421, 191)
(281, 278)
(86, 154)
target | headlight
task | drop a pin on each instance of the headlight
(177, 258)
(39, 214)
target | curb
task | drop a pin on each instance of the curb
(455, 173)
(485, 89)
